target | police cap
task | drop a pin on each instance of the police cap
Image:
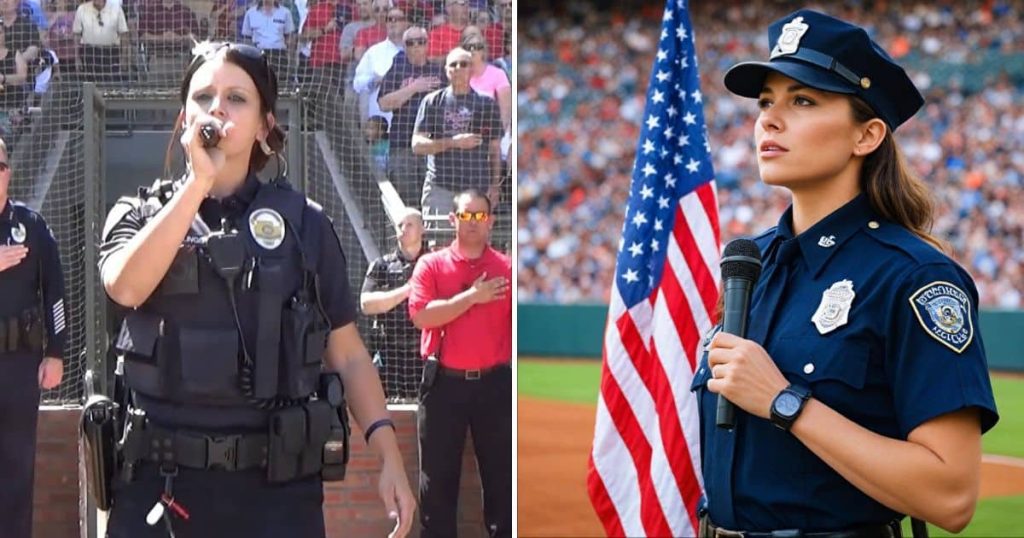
(828, 54)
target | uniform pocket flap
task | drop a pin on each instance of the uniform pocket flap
(139, 333)
(818, 359)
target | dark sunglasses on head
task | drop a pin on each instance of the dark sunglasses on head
(460, 64)
(381, 9)
(396, 18)
(475, 47)
(479, 216)
(415, 41)
(4, 166)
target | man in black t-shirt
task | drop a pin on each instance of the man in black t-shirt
(459, 131)
(403, 87)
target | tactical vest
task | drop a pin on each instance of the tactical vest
(185, 343)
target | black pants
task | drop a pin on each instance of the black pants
(452, 405)
(19, 413)
(220, 503)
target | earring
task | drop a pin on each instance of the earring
(266, 148)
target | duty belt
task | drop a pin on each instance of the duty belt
(887, 530)
(197, 450)
(471, 375)
(20, 331)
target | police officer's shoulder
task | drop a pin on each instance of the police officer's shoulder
(899, 238)
(764, 238)
(24, 212)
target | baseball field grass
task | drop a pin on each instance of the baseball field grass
(577, 381)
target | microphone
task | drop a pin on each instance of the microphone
(741, 267)
(210, 134)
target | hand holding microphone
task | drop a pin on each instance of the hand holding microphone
(209, 132)
(741, 267)
(200, 141)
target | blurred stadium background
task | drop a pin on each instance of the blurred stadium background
(87, 103)
(583, 72)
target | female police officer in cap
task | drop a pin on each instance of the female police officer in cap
(236, 286)
(862, 378)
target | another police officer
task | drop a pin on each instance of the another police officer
(395, 340)
(31, 306)
(863, 375)
(238, 294)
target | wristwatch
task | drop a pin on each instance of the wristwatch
(788, 405)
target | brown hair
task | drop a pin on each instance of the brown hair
(252, 61)
(893, 190)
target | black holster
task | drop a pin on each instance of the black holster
(430, 369)
(22, 332)
(98, 425)
(310, 438)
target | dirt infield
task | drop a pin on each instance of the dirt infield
(554, 442)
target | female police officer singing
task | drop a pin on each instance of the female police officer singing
(863, 375)
(236, 287)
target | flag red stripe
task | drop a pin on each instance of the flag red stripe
(676, 448)
(680, 311)
(702, 277)
(706, 193)
(599, 497)
(651, 513)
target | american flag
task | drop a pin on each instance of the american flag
(644, 469)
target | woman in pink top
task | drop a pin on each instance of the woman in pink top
(489, 80)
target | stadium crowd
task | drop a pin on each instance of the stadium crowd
(583, 76)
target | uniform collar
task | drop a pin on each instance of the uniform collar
(819, 242)
(457, 254)
(7, 211)
(400, 254)
(238, 202)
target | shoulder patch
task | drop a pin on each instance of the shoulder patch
(944, 312)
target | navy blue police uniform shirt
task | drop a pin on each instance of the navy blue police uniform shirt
(37, 282)
(881, 326)
(127, 218)
(392, 271)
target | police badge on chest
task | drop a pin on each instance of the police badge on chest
(834, 310)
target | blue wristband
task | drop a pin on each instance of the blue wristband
(373, 427)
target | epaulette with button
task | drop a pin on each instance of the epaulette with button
(902, 239)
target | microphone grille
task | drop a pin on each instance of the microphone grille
(741, 259)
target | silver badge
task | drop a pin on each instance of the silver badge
(943, 310)
(789, 39)
(267, 227)
(18, 234)
(834, 309)
(827, 241)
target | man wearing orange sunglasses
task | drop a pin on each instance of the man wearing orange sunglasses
(460, 298)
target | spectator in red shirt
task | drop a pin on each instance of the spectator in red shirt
(371, 35)
(327, 60)
(495, 32)
(445, 37)
(168, 29)
(227, 17)
(460, 298)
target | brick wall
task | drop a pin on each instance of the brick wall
(56, 490)
(351, 508)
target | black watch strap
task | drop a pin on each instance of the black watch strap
(783, 412)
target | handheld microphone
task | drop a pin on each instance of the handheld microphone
(741, 267)
(210, 134)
